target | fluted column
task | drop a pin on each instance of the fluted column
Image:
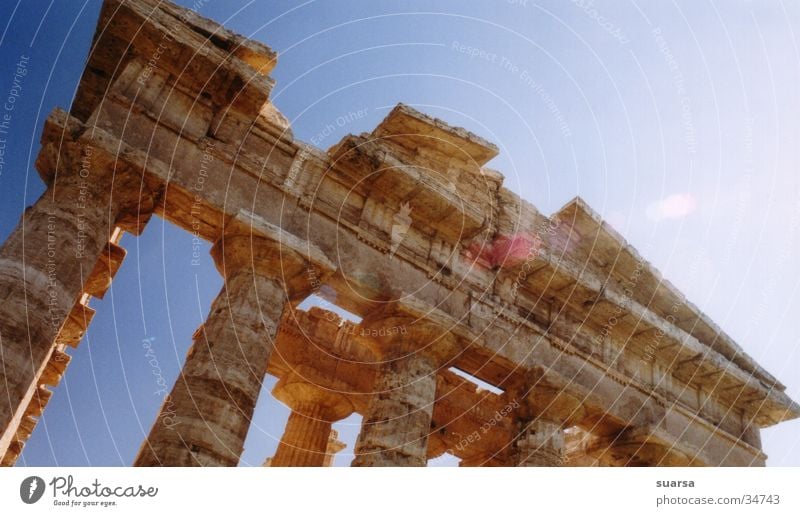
(44, 265)
(308, 430)
(395, 428)
(205, 419)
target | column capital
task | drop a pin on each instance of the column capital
(409, 326)
(309, 399)
(248, 242)
(78, 169)
(306, 439)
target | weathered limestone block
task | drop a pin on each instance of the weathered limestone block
(203, 56)
(551, 406)
(395, 429)
(475, 425)
(645, 446)
(54, 370)
(306, 438)
(555, 398)
(34, 410)
(104, 271)
(74, 328)
(422, 180)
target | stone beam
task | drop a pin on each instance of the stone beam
(643, 447)
(597, 244)
(675, 348)
(205, 57)
(473, 424)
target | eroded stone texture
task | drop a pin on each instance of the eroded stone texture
(541, 443)
(397, 423)
(490, 459)
(586, 340)
(396, 427)
(468, 422)
(205, 419)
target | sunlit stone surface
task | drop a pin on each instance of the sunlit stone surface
(595, 358)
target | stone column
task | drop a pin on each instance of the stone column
(205, 419)
(70, 334)
(551, 404)
(314, 410)
(397, 423)
(44, 265)
(541, 443)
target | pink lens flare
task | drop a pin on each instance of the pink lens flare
(504, 251)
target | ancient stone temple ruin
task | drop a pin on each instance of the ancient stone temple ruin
(596, 359)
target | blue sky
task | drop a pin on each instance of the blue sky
(678, 121)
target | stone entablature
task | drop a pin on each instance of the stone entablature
(404, 226)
